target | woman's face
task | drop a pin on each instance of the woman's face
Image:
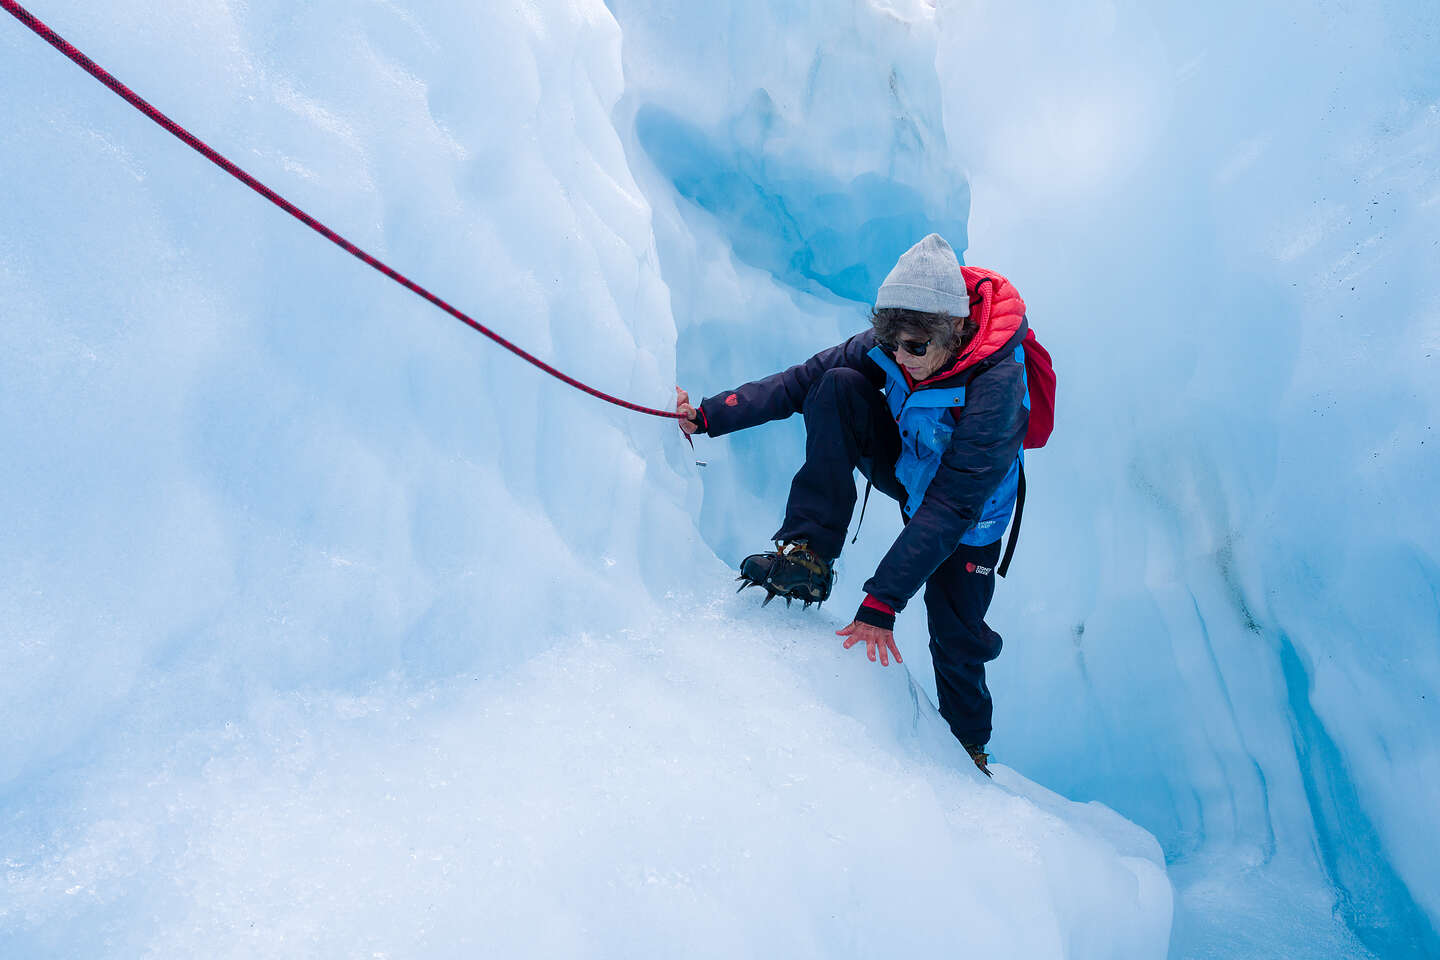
(920, 368)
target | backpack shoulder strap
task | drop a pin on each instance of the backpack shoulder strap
(1004, 567)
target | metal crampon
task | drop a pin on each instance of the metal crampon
(791, 570)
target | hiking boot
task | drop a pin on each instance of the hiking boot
(978, 754)
(792, 570)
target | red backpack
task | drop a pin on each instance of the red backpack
(1040, 379)
(1040, 382)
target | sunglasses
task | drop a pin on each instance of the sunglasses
(916, 348)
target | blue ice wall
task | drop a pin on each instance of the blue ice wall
(802, 225)
(1373, 899)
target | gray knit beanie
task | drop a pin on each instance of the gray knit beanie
(926, 278)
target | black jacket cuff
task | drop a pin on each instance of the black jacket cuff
(876, 618)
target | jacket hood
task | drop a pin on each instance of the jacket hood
(1000, 314)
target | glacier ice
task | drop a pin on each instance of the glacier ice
(328, 628)
(714, 786)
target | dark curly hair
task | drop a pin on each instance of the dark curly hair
(948, 332)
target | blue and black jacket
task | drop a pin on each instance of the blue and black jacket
(962, 433)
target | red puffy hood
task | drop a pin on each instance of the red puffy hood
(996, 306)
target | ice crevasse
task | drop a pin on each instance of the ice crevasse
(333, 630)
(328, 629)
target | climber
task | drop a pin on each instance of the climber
(933, 405)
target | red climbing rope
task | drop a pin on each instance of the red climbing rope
(99, 73)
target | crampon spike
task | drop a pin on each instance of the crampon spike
(767, 600)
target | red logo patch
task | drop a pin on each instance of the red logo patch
(969, 568)
(732, 401)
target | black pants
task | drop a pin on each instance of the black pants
(848, 427)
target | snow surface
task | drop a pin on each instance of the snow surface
(329, 629)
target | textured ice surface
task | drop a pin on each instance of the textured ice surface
(714, 785)
(328, 629)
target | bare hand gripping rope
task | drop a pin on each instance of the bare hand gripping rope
(99, 73)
